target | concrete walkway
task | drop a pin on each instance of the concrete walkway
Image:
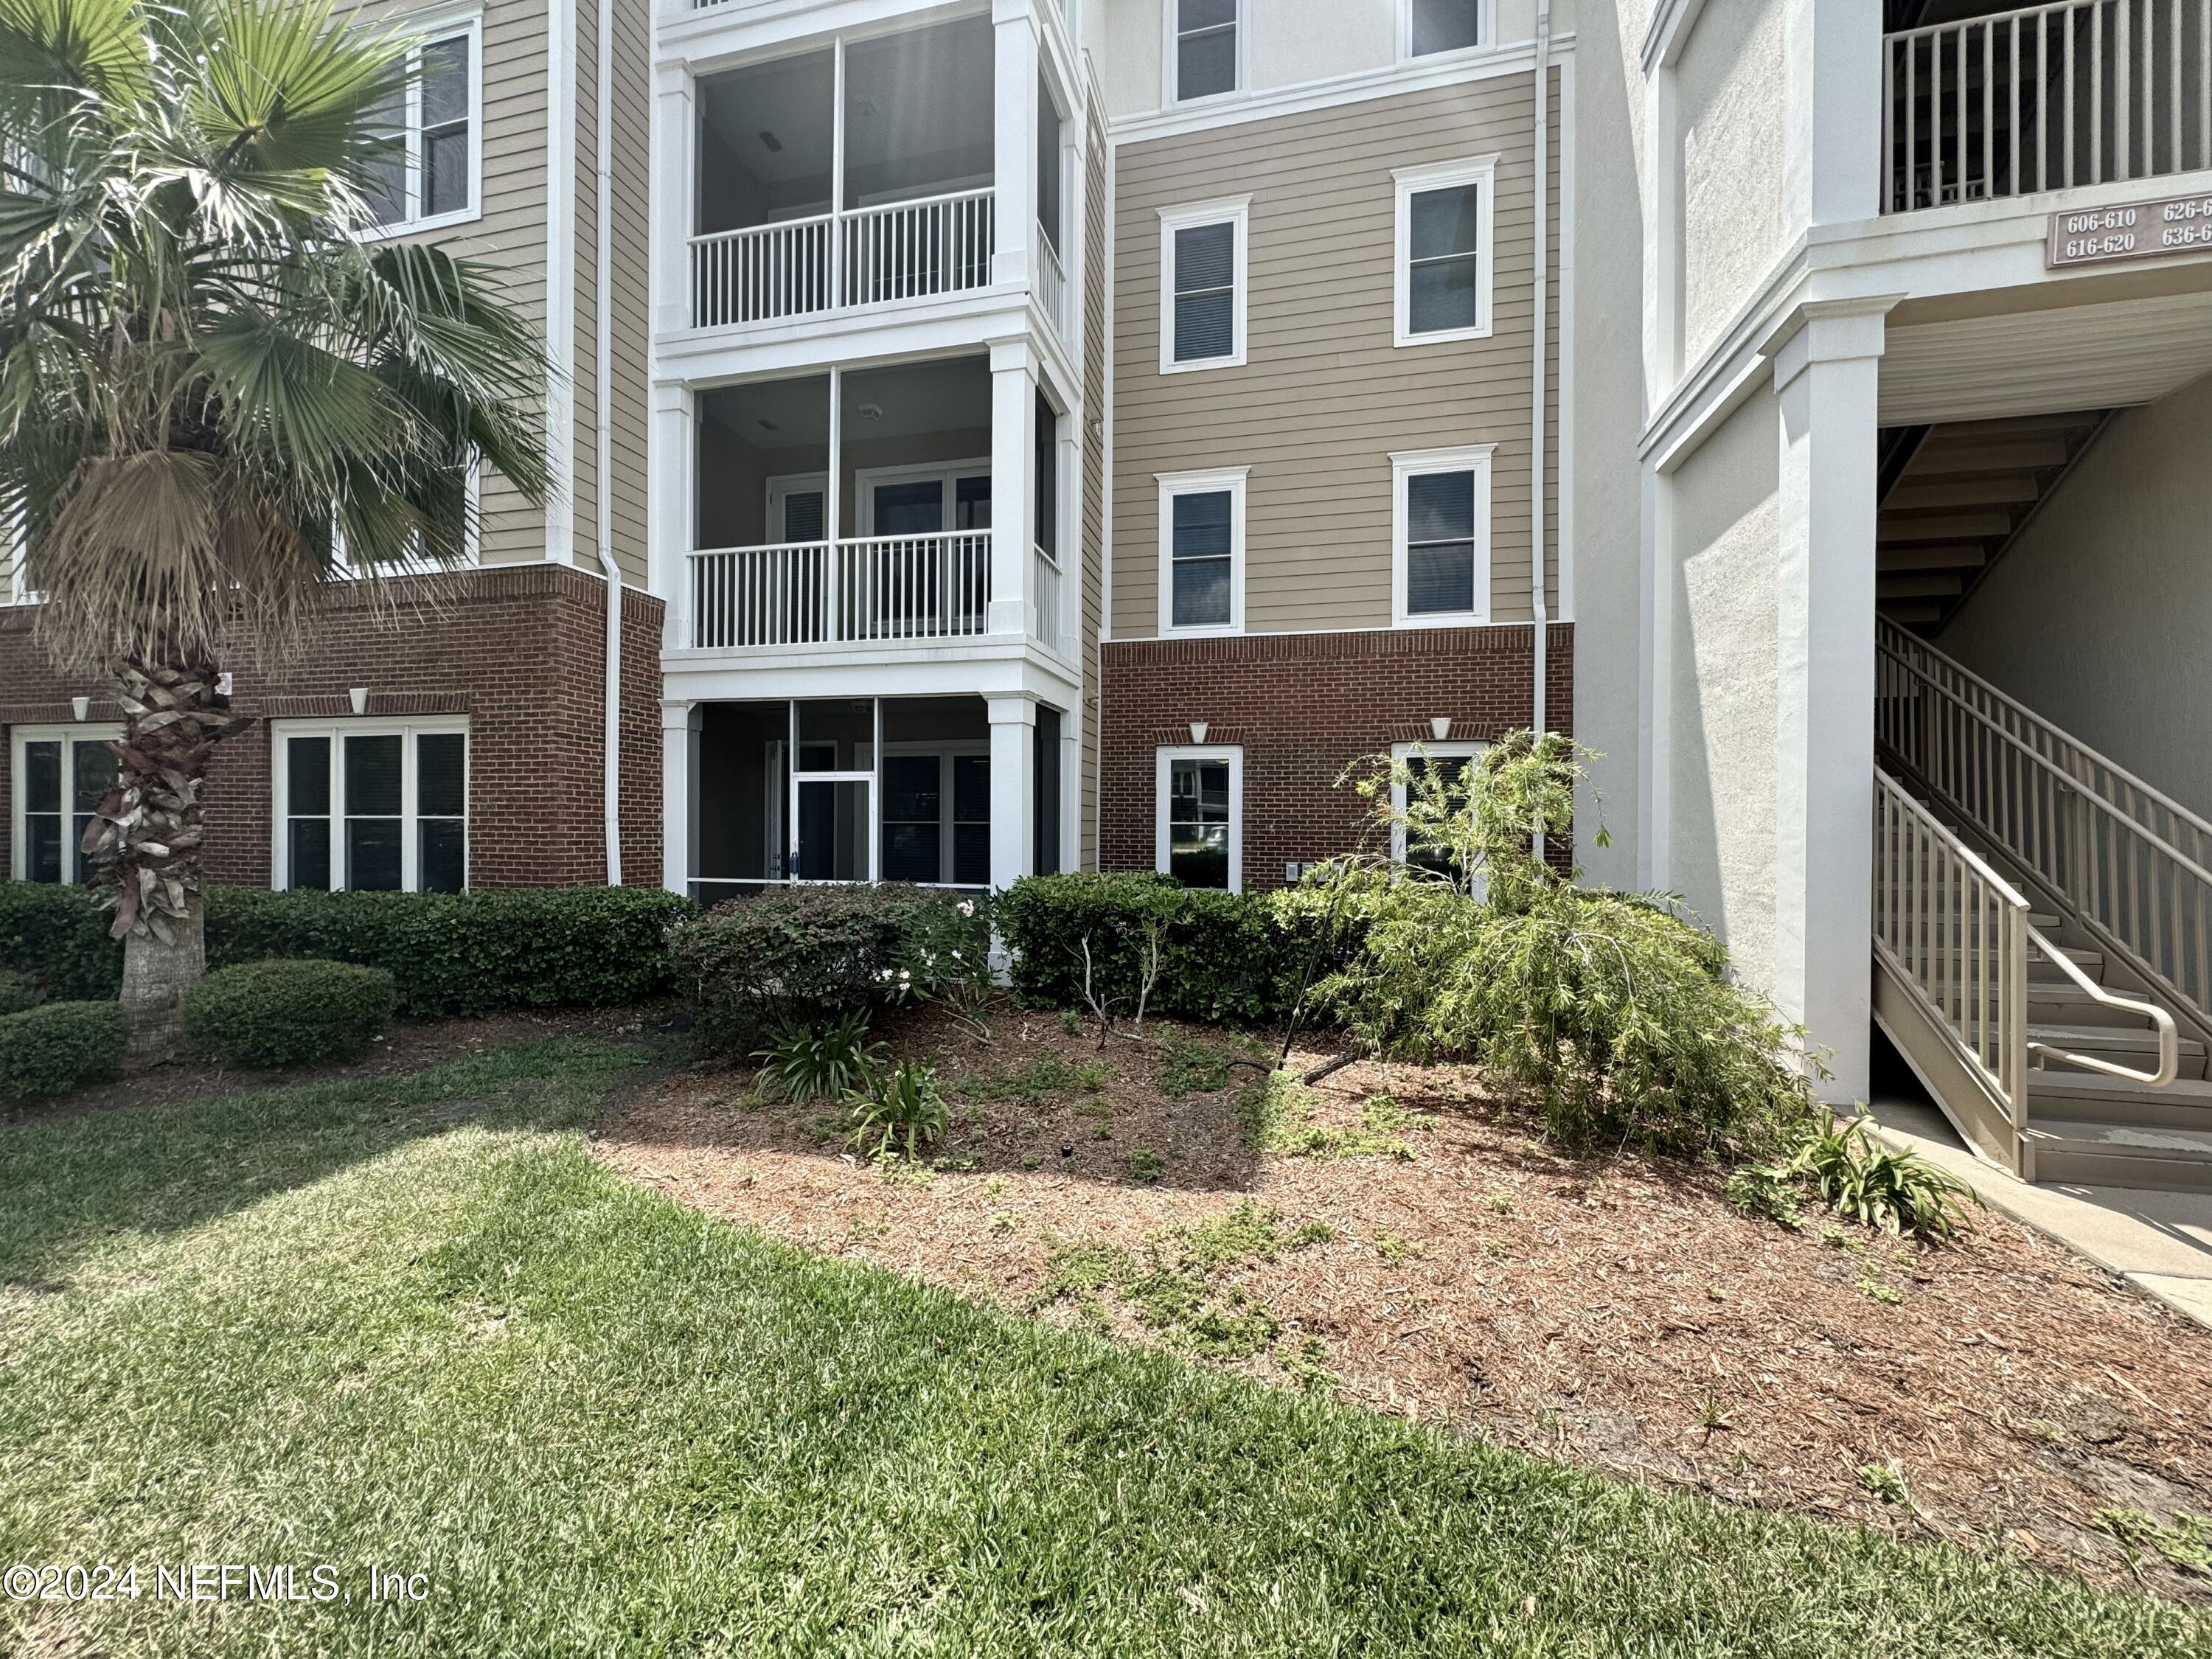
(2161, 1242)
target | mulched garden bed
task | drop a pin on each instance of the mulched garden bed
(1419, 1249)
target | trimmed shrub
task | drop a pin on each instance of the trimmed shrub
(801, 956)
(448, 953)
(1223, 956)
(466, 953)
(259, 1014)
(58, 935)
(60, 1046)
(18, 991)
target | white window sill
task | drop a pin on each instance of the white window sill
(467, 215)
(1445, 336)
(1235, 360)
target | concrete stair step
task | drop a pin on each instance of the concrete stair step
(2078, 1153)
(2092, 1097)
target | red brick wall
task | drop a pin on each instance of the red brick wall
(520, 649)
(1304, 707)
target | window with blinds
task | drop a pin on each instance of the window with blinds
(1205, 48)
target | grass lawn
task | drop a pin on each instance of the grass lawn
(409, 1323)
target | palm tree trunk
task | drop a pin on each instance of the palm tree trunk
(144, 840)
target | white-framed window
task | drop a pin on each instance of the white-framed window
(1199, 800)
(370, 803)
(433, 176)
(1455, 761)
(937, 813)
(1426, 28)
(1203, 265)
(59, 774)
(1205, 49)
(798, 509)
(931, 500)
(1202, 551)
(1440, 536)
(1445, 254)
(418, 561)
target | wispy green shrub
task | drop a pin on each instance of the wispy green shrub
(1615, 1013)
(826, 1061)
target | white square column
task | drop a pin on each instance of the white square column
(1013, 143)
(1013, 483)
(675, 163)
(1826, 379)
(1014, 787)
(679, 794)
(669, 517)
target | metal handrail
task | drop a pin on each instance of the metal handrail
(2169, 1037)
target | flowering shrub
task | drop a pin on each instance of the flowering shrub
(805, 955)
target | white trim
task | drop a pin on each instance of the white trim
(1485, 34)
(407, 728)
(1449, 749)
(1235, 211)
(1333, 92)
(1480, 171)
(777, 486)
(1564, 454)
(560, 119)
(429, 27)
(948, 474)
(68, 735)
(1409, 464)
(1171, 59)
(1233, 480)
(1163, 760)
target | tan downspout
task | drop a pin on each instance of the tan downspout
(603, 453)
(1540, 378)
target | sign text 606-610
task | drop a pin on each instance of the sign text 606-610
(2140, 230)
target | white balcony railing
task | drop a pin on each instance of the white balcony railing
(882, 588)
(1046, 603)
(2048, 97)
(1051, 283)
(870, 256)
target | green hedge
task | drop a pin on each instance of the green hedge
(18, 991)
(447, 953)
(1223, 955)
(58, 936)
(60, 1046)
(286, 1012)
(807, 954)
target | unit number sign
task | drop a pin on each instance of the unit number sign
(2175, 224)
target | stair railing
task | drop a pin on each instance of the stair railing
(2128, 862)
(1954, 932)
(2169, 1038)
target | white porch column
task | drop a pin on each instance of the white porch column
(1013, 787)
(680, 795)
(675, 159)
(1013, 485)
(1013, 141)
(1826, 377)
(672, 468)
(1070, 789)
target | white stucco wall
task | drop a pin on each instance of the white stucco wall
(1721, 782)
(1605, 486)
(2098, 617)
(1736, 215)
(1295, 41)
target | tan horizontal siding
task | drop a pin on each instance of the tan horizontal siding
(1324, 397)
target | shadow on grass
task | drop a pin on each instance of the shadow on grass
(72, 1180)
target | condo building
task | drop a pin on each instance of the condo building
(1008, 437)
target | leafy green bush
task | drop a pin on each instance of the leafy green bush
(448, 953)
(820, 1062)
(1897, 1192)
(58, 935)
(287, 1012)
(1617, 1014)
(18, 991)
(1209, 955)
(60, 1046)
(799, 955)
(900, 1111)
(466, 953)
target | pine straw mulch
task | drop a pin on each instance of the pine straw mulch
(1613, 1311)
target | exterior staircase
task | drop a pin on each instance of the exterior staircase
(1955, 498)
(2040, 936)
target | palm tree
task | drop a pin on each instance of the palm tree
(217, 397)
